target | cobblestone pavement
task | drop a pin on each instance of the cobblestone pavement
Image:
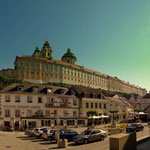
(18, 141)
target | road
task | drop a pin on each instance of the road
(18, 141)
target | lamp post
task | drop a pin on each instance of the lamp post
(57, 131)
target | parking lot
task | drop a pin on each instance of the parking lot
(19, 141)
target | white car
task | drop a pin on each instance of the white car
(38, 132)
(104, 132)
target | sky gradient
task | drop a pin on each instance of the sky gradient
(109, 36)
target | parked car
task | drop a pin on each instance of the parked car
(89, 136)
(122, 124)
(67, 134)
(38, 132)
(125, 123)
(30, 132)
(135, 127)
(49, 134)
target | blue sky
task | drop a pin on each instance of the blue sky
(109, 36)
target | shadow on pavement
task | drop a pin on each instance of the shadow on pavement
(55, 148)
(48, 143)
(22, 136)
(8, 146)
(25, 138)
(41, 140)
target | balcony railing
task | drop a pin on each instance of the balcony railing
(49, 104)
(64, 104)
(57, 106)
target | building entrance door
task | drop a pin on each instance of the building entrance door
(32, 124)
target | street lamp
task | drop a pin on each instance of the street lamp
(57, 131)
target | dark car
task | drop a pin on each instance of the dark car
(89, 136)
(135, 127)
(67, 134)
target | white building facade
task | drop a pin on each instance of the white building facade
(38, 105)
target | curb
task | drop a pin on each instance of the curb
(142, 140)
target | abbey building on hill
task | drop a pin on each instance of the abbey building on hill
(40, 67)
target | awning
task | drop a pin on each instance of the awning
(98, 117)
(104, 116)
(94, 117)
(142, 113)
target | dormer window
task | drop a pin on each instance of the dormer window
(72, 92)
(34, 89)
(62, 91)
(20, 88)
(49, 90)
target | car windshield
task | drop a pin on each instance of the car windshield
(86, 132)
(45, 131)
(61, 131)
(52, 131)
(133, 125)
(36, 129)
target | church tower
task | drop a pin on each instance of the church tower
(36, 53)
(47, 51)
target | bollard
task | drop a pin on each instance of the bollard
(62, 143)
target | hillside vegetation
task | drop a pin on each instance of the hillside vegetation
(4, 82)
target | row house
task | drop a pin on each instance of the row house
(91, 100)
(38, 105)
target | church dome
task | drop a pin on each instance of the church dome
(69, 57)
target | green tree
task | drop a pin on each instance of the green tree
(92, 113)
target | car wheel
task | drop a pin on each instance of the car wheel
(102, 138)
(50, 139)
(40, 136)
(86, 141)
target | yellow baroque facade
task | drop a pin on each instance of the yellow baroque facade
(42, 68)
